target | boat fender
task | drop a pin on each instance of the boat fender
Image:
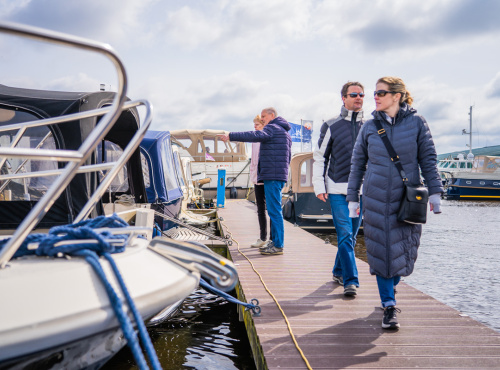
(233, 193)
(288, 210)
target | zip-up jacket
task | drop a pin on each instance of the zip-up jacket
(275, 149)
(391, 246)
(332, 157)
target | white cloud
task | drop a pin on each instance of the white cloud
(256, 27)
(68, 83)
(109, 21)
(494, 86)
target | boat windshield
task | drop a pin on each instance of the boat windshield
(31, 188)
(168, 169)
(306, 173)
(112, 153)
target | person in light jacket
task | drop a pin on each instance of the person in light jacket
(332, 163)
(260, 197)
(392, 245)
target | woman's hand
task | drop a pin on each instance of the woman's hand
(435, 202)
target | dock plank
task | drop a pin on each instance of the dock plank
(338, 332)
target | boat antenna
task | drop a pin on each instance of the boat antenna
(470, 156)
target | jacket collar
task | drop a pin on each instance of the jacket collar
(347, 114)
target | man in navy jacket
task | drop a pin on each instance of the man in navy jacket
(274, 160)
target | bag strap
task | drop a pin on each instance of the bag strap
(392, 153)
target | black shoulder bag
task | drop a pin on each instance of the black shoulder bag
(413, 207)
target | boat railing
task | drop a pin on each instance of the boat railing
(75, 158)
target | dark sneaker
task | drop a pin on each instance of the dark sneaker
(338, 279)
(271, 250)
(350, 290)
(390, 320)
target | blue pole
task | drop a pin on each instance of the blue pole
(221, 187)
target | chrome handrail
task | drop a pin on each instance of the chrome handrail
(76, 159)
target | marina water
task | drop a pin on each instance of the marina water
(458, 264)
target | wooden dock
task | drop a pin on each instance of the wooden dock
(334, 331)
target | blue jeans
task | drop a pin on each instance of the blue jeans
(272, 189)
(386, 290)
(347, 230)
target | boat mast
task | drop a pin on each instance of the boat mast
(464, 132)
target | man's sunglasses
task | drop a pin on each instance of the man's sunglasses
(382, 93)
(355, 95)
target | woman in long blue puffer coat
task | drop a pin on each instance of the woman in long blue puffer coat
(391, 245)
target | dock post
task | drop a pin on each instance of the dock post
(221, 187)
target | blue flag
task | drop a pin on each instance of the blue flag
(301, 133)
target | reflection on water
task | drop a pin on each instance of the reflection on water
(459, 258)
(205, 334)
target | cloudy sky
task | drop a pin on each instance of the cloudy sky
(215, 64)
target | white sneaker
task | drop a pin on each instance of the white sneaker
(259, 243)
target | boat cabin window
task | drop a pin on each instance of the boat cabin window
(186, 142)
(236, 148)
(145, 170)
(178, 166)
(112, 153)
(209, 144)
(223, 147)
(25, 188)
(306, 173)
(168, 168)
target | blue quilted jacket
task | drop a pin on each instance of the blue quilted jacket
(391, 245)
(275, 149)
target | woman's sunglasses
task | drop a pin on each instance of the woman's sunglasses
(355, 95)
(382, 93)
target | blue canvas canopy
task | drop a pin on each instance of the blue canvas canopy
(31, 105)
(163, 188)
(163, 185)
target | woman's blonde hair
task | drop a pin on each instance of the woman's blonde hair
(396, 85)
(257, 119)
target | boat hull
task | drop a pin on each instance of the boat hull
(308, 212)
(87, 353)
(50, 302)
(468, 188)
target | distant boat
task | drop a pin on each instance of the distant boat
(471, 177)
(211, 154)
(300, 204)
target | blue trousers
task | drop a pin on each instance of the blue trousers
(347, 229)
(272, 189)
(386, 290)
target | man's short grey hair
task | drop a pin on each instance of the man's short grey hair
(271, 110)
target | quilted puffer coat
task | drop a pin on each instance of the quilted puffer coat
(275, 149)
(391, 245)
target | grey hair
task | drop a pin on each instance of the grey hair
(271, 110)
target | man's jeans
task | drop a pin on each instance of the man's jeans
(386, 290)
(272, 189)
(347, 230)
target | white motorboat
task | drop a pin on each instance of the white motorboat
(64, 299)
(210, 154)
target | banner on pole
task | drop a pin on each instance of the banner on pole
(301, 133)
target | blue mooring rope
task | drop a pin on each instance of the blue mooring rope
(254, 305)
(91, 253)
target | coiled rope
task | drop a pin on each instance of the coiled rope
(91, 252)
